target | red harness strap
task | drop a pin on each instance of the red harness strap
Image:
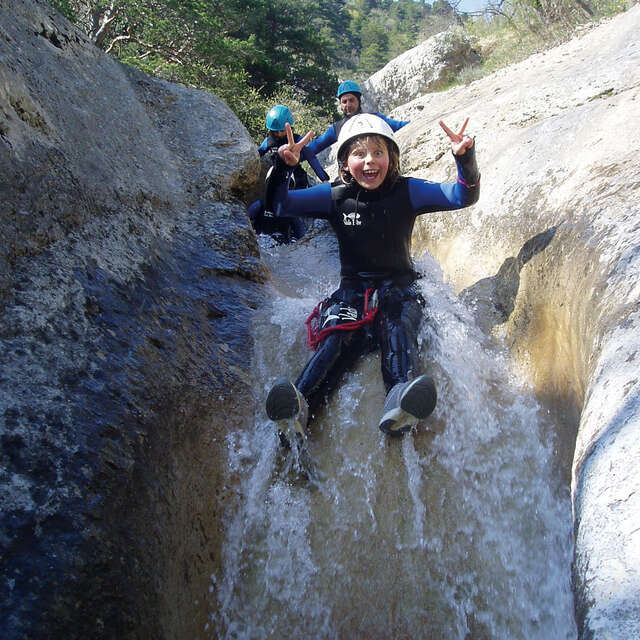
(315, 335)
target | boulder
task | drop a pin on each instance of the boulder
(557, 138)
(427, 67)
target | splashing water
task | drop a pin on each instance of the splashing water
(461, 529)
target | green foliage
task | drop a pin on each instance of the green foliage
(242, 50)
(374, 47)
(257, 53)
(65, 8)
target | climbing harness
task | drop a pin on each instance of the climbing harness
(331, 315)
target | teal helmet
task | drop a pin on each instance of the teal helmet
(349, 86)
(278, 116)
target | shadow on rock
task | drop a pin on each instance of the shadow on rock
(492, 299)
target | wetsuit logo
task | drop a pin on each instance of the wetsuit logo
(351, 219)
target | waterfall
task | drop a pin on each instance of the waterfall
(459, 530)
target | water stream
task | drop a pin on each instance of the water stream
(460, 530)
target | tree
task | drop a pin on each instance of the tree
(242, 50)
(375, 45)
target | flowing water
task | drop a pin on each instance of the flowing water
(460, 530)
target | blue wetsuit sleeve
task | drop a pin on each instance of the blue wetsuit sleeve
(428, 196)
(394, 124)
(262, 149)
(322, 142)
(314, 163)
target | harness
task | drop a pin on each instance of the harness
(335, 313)
(330, 316)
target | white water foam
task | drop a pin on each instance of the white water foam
(459, 530)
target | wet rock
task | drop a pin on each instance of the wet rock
(551, 155)
(128, 274)
(493, 299)
(128, 277)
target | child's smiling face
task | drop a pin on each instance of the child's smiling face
(368, 161)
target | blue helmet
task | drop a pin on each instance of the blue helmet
(278, 116)
(349, 86)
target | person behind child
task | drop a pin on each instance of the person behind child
(349, 95)
(378, 303)
(283, 229)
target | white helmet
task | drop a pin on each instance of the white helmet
(364, 124)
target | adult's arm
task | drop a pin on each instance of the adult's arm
(314, 163)
(262, 149)
(323, 141)
(394, 124)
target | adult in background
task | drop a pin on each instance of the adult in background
(349, 95)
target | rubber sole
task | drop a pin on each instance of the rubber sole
(417, 402)
(397, 424)
(282, 402)
(419, 398)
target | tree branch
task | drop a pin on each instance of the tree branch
(117, 39)
(101, 22)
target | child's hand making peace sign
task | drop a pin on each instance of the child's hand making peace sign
(290, 152)
(459, 142)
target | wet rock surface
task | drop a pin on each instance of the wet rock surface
(129, 275)
(552, 155)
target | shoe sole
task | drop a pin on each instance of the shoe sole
(419, 398)
(412, 407)
(282, 401)
(396, 422)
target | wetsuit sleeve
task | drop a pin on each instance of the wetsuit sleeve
(314, 202)
(428, 196)
(254, 210)
(394, 124)
(314, 163)
(262, 149)
(322, 142)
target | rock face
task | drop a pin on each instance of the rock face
(557, 139)
(427, 67)
(128, 276)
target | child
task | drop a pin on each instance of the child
(378, 303)
(349, 95)
(263, 220)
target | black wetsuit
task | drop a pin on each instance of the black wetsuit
(282, 229)
(374, 229)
